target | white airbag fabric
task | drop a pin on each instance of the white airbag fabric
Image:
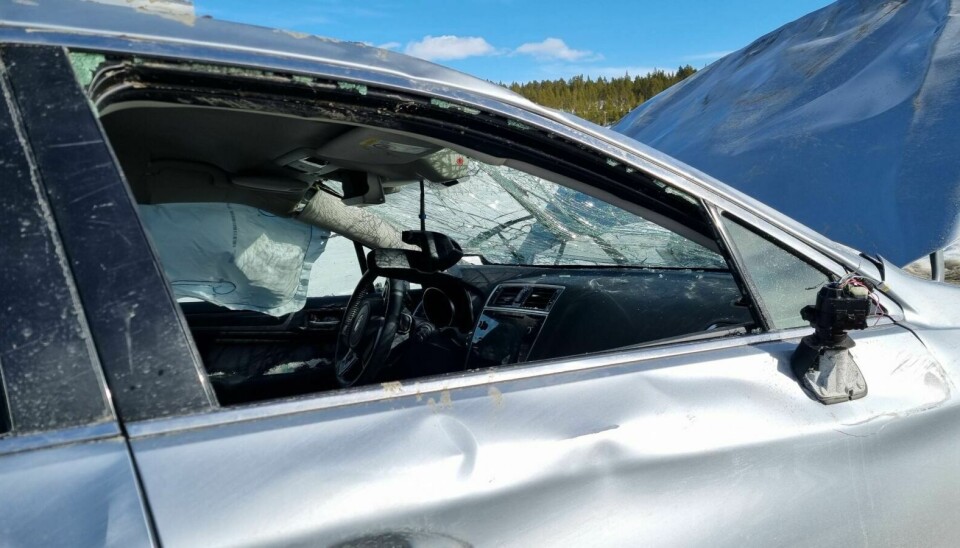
(235, 256)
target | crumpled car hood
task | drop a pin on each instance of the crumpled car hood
(845, 119)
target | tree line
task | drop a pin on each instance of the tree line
(603, 101)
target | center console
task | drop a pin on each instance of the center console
(510, 323)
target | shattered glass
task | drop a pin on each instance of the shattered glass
(785, 282)
(511, 217)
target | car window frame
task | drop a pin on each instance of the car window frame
(759, 297)
(776, 238)
(80, 174)
(796, 247)
(431, 386)
(43, 413)
(615, 156)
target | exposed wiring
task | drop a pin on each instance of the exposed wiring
(853, 279)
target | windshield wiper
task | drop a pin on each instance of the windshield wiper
(495, 231)
(552, 224)
(611, 251)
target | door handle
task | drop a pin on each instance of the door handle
(323, 320)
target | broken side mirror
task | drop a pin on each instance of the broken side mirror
(823, 363)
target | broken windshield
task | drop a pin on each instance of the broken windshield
(507, 216)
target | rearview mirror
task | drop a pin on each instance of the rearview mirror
(437, 253)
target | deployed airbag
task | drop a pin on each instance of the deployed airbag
(236, 256)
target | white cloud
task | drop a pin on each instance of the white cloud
(553, 49)
(390, 45)
(445, 48)
(710, 56)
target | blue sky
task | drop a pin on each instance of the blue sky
(517, 40)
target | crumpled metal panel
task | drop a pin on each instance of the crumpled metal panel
(719, 446)
(844, 119)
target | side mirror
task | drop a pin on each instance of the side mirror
(823, 363)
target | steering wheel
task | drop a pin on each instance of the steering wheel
(368, 330)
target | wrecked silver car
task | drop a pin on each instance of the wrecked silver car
(272, 289)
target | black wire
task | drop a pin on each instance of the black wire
(361, 256)
(423, 208)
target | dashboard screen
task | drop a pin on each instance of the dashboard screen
(503, 338)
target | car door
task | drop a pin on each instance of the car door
(698, 442)
(66, 474)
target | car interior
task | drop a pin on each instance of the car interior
(370, 236)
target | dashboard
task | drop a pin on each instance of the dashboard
(510, 324)
(534, 313)
(475, 317)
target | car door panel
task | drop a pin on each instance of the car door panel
(623, 453)
(240, 349)
(698, 443)
(77, 494)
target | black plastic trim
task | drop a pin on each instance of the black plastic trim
(50, 378)
(150, 364)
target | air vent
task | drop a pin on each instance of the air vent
(507, 295)
(527, 297)
(541, 297)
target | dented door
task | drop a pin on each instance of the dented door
(706, 443)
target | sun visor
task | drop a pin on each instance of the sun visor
(398, 159)
(370, 146)
(235, 256)
(443, 166)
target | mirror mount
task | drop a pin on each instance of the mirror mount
(361, 188)
(437, 253)
(822, 363)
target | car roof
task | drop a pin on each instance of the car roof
(148, 21)
(145, 27)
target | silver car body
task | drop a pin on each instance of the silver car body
(691, 444)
